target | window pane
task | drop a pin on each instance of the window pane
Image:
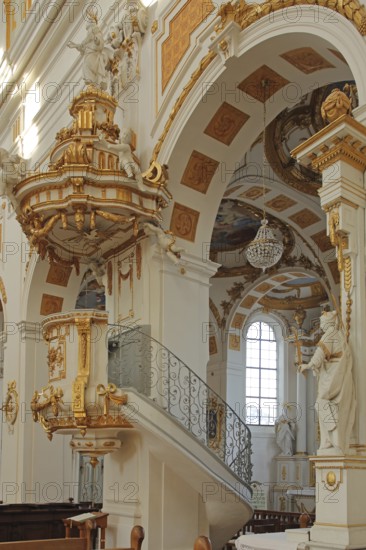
(252, 412)
(252, 382)
(268, 411)
(261, 374)
(268, 383)
(253, 331)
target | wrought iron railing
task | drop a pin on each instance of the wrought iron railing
(138, 361)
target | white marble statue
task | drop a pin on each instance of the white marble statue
(126, 161)
(165, 241)
(95, 54)
(13, 167)
(336, 400)
(285, 436)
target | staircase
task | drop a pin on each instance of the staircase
(162, 384)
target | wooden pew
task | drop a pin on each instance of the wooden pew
(45, 544)
(202, 543)
(137, 537)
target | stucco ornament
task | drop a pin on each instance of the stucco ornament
(125, 37)
(336, 400)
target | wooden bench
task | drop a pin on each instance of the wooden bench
(137, 537)
(45, 544)
(202, 543)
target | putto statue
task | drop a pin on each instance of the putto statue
(336, 401)
(13, 167)
(285, 436)
(95, 54)
(127, 162)
(165, 240)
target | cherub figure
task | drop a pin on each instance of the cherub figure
(12, 169)
(165, 240)
(127, 163)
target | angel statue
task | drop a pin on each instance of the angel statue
(165, 241)
(13, 167)
(336, 401)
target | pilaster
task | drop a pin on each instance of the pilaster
(338, 151)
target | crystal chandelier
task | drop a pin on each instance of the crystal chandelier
(265, 250)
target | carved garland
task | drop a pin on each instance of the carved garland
(344, 263)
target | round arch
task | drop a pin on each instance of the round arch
(191, 150)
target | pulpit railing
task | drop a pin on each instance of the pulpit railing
(138, 361)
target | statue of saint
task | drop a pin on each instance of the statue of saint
(284, 435)
(95, 55)
(336, 401)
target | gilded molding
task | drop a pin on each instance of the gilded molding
(181, 99)
(246, 14)
(3, 291)
(10, 406)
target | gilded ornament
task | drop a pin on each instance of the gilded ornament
(336, 105)
(154, 26)
(246, 14)
(3, 291)
(10, 406)
(331, 479)
(181, 99)
(51, 398)
(108, 394)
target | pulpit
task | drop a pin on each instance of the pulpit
(86, 523)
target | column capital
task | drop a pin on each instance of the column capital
(342, 140)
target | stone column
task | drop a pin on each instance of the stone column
(338, 151)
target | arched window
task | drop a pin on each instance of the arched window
(261, 375)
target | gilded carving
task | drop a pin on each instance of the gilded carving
(248, 301)
(252, 84)
(336, 105)
(212, 345)
(322, 240)
(263, 287)
(226, 123)
(234, 342)
(58, 274)
(50, 304)
(246, 14)
(199, 171)
(184, 222)
(10, 407)
(51, 399)
(109, 396)
(307, 60)
(180, 28)
(204, 63)
(238, 320)
(253, 193)
(56, 359)
(3, 291)
(110, 277)
(304, 218)
(280, 203)
(336, 237)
